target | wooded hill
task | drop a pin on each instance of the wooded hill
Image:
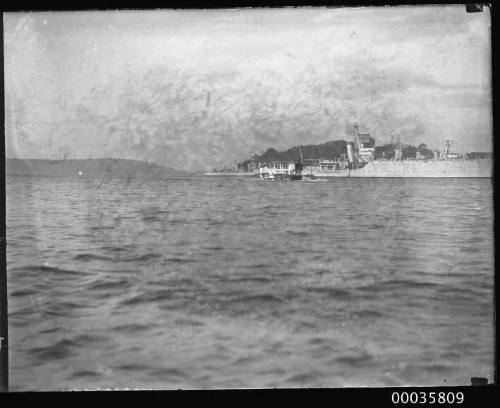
(331, 150)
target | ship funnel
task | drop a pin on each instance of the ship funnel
(350, 156)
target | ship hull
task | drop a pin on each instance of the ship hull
(415, 168)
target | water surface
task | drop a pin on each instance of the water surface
(200, 282)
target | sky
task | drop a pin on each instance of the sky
(196, 89)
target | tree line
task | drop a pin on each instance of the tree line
(332, 150)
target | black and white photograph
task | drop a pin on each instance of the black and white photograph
(248, 198)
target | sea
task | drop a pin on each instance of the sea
(197, 282)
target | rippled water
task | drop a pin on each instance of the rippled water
(223, 282)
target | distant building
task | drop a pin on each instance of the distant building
(479, 155)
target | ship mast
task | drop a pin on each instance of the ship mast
(301, 161)
(356, 129)
(445, 149)
(357, 134)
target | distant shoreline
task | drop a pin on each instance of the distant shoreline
(85, 167)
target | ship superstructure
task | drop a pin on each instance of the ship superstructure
(360, 161)
(365, 146)
(281, 170)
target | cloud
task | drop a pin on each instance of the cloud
(200, 89)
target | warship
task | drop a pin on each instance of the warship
(360, 161)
